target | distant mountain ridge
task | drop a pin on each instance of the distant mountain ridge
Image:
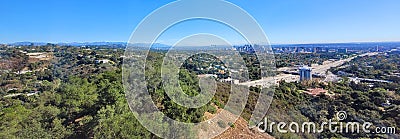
(109, 44)
(68, 44)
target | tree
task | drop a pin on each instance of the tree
(79, 97)
(113, 123)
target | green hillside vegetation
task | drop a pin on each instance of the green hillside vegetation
(81, 104)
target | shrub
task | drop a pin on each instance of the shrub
(231, 125)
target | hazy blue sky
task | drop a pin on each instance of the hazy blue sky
(284, 21)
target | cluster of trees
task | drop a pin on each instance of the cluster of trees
(374, 67)
(12, 60)
(188, 82)
(289, 60)
(291, 105)
(75, 108)
(201, 63)
(82, 61)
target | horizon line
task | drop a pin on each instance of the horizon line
(350, 42)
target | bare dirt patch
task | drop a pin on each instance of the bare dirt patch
(237, 130)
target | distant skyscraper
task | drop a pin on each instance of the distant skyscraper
(246, 48)
(300, 49)
(342, 50)
(318, 50)
(305, 73)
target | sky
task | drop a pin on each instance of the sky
(283, 21)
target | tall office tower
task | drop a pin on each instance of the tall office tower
(305, 73)
(342, 50)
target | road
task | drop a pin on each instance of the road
(319, 69)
